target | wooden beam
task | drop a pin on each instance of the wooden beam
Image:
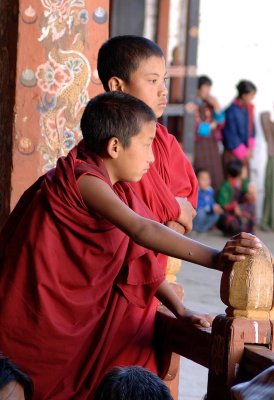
(191, 79)
(255, 360)
(182, 337)
(163, 25)
(9, 11)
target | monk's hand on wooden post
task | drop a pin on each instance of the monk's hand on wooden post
(237, 248)
(247, 286)
(196, 318)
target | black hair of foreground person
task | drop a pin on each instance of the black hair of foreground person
(9, 372)
(132, 383)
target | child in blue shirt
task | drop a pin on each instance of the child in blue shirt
(208, 211)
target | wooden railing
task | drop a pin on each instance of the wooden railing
(241, 342)
(255, 360)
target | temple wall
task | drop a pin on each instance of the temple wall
(56, 74)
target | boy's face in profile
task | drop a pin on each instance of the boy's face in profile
(204, 180)
(148, 83)
(135, 160)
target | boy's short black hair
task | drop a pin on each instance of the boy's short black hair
(199, 171)
(245, 87)
(113, 114)
(234, 168)
(204, 80)
(9, 372)
(121, 55)
(132, 383)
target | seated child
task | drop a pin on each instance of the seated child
(237, 197)
(208, 211)
(132, 383)
(78, 280)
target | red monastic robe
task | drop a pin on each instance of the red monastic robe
(171, 175)
(72, 289)
(76, 294)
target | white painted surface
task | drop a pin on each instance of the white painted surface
(236, 42)
(150, 19)
(256, 328)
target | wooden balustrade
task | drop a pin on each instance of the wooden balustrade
(241, 343)
(255, 360)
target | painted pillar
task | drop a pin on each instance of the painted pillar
(57, 48)
(8, 41)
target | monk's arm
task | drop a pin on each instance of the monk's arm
(99, 197)
(169, 298)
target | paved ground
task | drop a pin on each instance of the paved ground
(201, 287)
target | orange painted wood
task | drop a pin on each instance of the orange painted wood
(57, 51)
(163, 25)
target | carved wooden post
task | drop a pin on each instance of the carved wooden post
(247, 287)
(8, 40)
(247, 290)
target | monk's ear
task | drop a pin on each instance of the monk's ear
(113, 147)
(116, 84)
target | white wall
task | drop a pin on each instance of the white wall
(236, 42)
(150, 18)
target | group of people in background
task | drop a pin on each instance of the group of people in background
(224, 144)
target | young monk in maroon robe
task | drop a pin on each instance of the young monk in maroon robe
(74, 267)
(136, 65)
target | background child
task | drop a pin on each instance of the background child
(237, 197)
(77, 299)
(208, 211)
(209, 121)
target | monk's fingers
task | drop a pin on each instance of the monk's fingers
(235, 257)
(205, 323)
(243, 235)
(252, 242)
(204, 320)
(246, 238)
(201, 322)
(237, 253)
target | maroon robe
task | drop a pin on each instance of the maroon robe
(170, 175)
(76, 294)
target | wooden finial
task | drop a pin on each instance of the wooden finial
(247, 286)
